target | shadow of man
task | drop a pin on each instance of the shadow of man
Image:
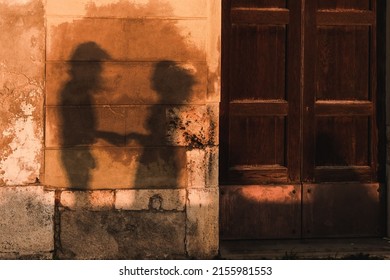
(78, 117)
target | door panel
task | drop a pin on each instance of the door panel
(342, 141)
(262, 78)
(339, 122)
(269, 211)
(260, 106)
(342, 63)
(255, 147)
(341, 210)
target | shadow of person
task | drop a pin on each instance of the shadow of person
(173, 85)
(78, 119)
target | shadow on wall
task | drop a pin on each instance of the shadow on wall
(79, 128)
(120, 113)
(168, 79)
(122, 117)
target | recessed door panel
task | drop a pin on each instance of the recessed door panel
(260, 50)
(257, 141)
(342, 141)
(343, 63)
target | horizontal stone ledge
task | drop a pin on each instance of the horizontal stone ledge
(156, 199)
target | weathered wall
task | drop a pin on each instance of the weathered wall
(132, 104)
(21, 90)
(26, 209)
(127, 153)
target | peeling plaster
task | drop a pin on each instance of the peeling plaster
(21, 90)
(19, 164)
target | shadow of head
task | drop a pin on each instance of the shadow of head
(172, 80)
(93, 54)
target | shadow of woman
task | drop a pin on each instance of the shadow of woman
(173, 85)
(78, 117)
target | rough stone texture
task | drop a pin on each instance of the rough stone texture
(122, 235)
(21, 256)
(202, 167)
(21, 91)
(196, 166)
(26, 225)
(88, 200)
(202, 232)
(212, 170)
(188, 126)
(159, 200)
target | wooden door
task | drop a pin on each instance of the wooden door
(299, 119)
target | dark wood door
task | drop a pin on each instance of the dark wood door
(300, 119)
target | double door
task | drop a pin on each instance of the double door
(301, 126)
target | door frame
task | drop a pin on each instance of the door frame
(383, 105)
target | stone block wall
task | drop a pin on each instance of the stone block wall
(125, 161)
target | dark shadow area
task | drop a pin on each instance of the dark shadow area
(78, 117)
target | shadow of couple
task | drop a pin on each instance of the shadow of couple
(79, 126)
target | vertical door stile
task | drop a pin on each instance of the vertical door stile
(293, 91)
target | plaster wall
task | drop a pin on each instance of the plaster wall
(127, 151)
(22, 58)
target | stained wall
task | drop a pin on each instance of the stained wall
(115, 106)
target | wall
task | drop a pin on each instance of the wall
(129, 167)
(27, 210)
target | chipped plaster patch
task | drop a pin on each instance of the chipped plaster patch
(19, 161)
